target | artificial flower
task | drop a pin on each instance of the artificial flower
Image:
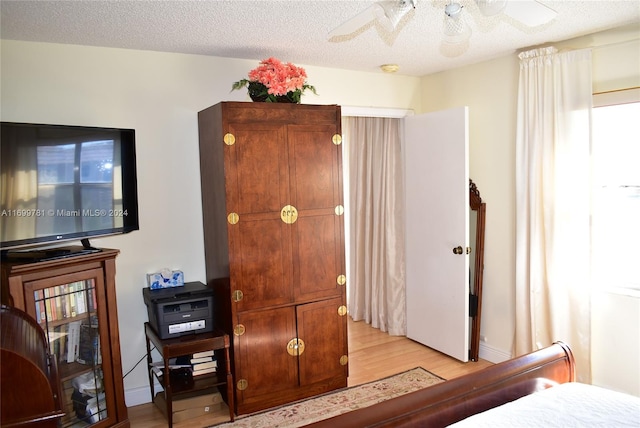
(275, 81)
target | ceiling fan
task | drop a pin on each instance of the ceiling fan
(387, 13)
(531, 13)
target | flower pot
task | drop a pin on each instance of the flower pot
(258, 98)
(261, 98)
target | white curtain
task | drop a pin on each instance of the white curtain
(553, 203)
(376, 222)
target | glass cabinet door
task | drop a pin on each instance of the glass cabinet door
(69, 309)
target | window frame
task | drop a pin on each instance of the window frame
(606, 99)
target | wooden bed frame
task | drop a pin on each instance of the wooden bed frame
(456, 399)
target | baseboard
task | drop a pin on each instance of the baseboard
(493, 355)
(141, 395)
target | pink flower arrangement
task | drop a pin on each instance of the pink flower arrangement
(275, 81)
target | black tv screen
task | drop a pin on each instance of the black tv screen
(61, 183)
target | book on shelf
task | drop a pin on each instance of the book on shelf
(71, 297)
(204, 371)
(58, 302)
(89, 351)
(73, 341)
(62, 332)
(41, 311)
(203, 366)
(65, 301)
(92, 302)
(48, 306)
(203, 354)
(81, 303)
(201, 360)
(55, 335)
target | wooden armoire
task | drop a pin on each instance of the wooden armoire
(273, 218)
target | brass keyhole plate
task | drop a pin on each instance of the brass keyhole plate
(295, 347)
(289, 214)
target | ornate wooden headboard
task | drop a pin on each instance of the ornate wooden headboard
(451, 401)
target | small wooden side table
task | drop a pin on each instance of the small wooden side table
(186, 345)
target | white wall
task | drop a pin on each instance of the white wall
(159, 95)
(490, 89)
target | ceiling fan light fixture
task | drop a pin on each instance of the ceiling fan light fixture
(456, 30)
(453, 10)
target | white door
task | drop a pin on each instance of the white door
(437, 221)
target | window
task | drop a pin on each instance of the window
(79, 189)
(616, 191)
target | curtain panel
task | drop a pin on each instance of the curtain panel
(553, 203)
(376, 286)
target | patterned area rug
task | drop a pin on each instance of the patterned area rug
(335, 403)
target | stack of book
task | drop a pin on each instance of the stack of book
(203, 363)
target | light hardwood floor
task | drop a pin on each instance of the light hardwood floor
(372, 355)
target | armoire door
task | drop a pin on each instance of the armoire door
(316, 194)
(264, 367)
(257, 177)
(437, 225)
(322, 327)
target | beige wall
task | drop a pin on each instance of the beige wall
(490, 90)
(158, 94)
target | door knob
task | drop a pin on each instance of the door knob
(457, 250)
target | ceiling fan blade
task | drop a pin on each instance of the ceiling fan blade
(491, 7)
(358, 21)
(393, 12)
(529, 12)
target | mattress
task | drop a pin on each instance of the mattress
(566, 405)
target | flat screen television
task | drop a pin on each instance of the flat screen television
(61, 183)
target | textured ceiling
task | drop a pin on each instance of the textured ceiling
(297, 31)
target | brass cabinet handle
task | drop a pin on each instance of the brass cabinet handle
(457, 250)
(295, 347)
(289, 214)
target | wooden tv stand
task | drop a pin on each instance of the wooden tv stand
(72, 295)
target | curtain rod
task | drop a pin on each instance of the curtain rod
(617, 90)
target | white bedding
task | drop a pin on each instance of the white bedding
(567, 405)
